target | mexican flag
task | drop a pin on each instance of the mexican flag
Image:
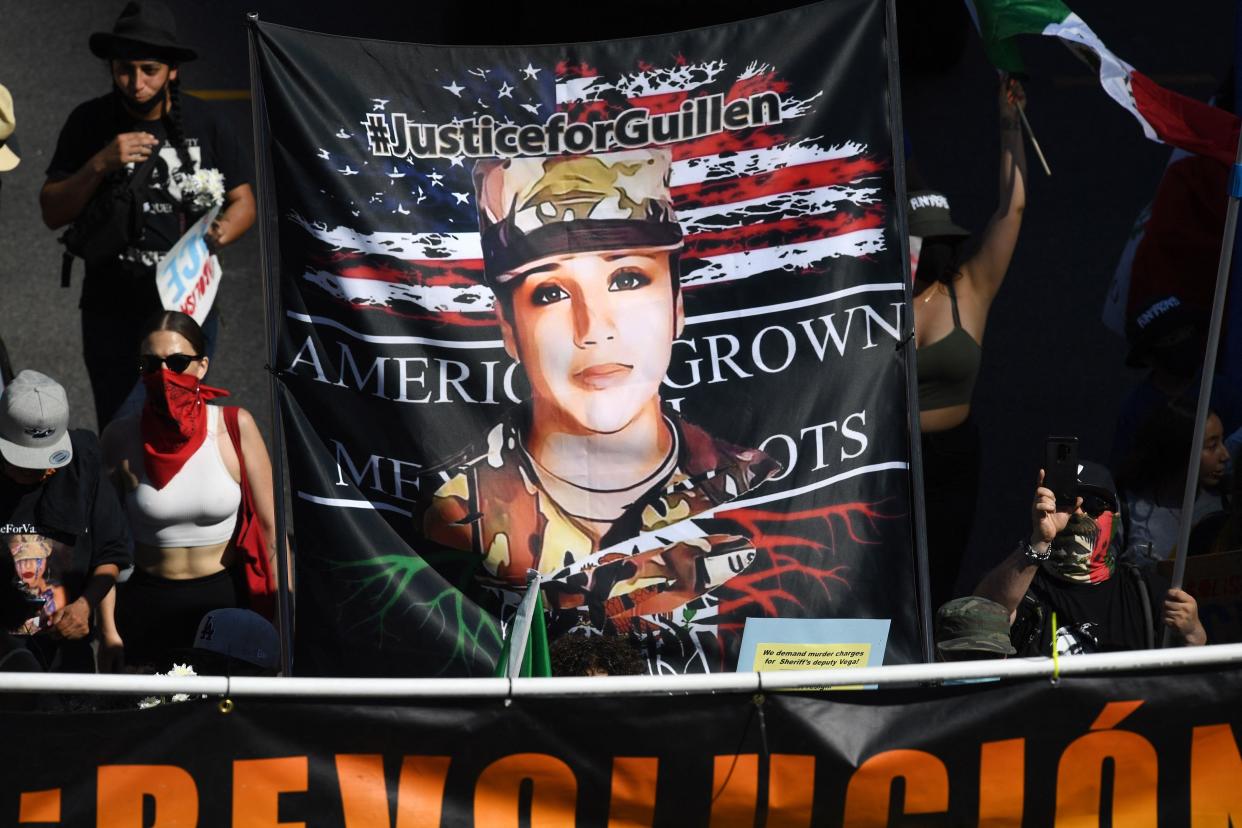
(1165, 116)
(525, 650)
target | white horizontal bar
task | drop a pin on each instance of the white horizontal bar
(823, 299)
(107, 683)
(1081, 665)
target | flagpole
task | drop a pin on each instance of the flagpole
(519, 632)
(271, 298)
(1209, 369)
(1026, 125)
(907, 347)
(1039, 153)
(1231, 367)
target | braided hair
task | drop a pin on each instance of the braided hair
(172, 124)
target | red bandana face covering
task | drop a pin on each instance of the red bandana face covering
(174, 422)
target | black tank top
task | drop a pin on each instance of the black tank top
(948, 367)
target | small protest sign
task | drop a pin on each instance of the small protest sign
(188, 276)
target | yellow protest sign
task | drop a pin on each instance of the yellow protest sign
(811, 656)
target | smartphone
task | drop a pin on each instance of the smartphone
(1061, 470)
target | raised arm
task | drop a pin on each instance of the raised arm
(986, 269)
(62, 200)
(1011, 578)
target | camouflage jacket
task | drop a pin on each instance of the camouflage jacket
(653, 560)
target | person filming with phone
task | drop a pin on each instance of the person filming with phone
(1067, 570)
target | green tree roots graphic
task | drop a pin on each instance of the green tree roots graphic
(395, 585)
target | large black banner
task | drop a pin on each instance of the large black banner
(1129, 751)
(625, 313)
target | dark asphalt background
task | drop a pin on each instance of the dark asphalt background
(1050, 367)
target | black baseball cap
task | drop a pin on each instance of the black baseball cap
(1163, 321)
(929, 216)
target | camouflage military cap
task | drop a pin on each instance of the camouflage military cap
(973, 623)
(29, 547)
(532, 208)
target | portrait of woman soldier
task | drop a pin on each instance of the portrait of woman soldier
(32, 555)
(593, 482)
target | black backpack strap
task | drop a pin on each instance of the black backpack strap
(1149, 622)
(1027, 631)
(66, 268)
(143, 171)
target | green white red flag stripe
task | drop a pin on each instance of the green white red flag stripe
(1165, 116)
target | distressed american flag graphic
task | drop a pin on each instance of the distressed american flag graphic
(750, 202)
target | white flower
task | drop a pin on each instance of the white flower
(204, 189)
(177, 671)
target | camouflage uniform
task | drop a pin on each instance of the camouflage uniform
(655, 558)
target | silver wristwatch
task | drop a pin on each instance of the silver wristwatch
(1032, 554)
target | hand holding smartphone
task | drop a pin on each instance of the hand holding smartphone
(1061, 470)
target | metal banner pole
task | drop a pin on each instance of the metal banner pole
(1209, 368)
(918, 507)
(271, 301)
(1220, 657)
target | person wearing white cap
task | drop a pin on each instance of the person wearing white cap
(9, 158)
(54, 496)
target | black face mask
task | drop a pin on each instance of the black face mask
(141, 108)
(1182, 358)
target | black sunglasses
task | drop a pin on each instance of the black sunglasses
(1094, 505)
(177, 363)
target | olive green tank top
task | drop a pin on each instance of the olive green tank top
(948, 367)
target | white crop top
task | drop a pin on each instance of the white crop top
(199, 505)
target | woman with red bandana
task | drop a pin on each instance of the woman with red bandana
(180, 479)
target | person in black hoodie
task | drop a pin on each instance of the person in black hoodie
(61, 521)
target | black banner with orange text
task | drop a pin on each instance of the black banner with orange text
(1122, 750)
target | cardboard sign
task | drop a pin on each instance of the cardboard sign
(188, 276)
(1215, 581)
(812, 643)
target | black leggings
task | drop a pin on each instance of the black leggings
(157, 617)
(950, 488)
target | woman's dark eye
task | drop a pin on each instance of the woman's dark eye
(628, 280)
(548, 294)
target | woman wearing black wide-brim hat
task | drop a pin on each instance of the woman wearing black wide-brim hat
(195, 163)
